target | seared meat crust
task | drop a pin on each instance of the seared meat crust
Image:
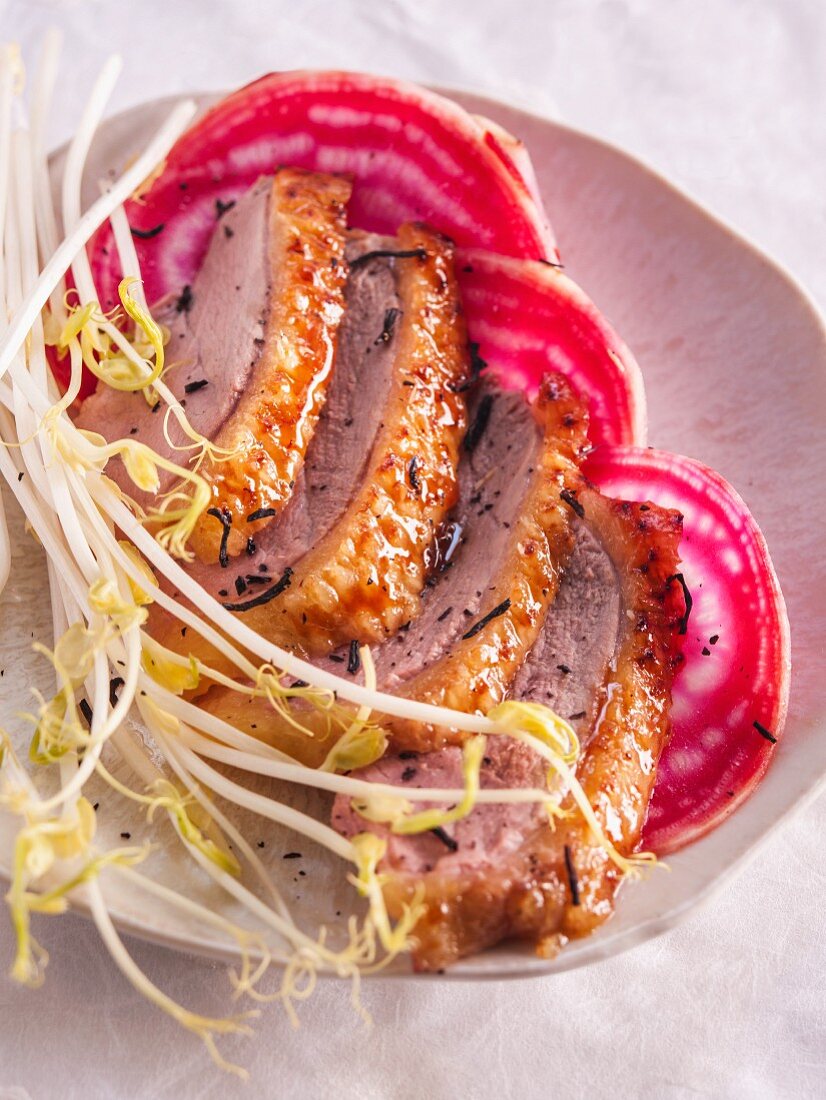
(274, 419)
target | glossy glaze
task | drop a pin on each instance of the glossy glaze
(275, 418)
(529, 894)
(477, 671)
(364, 579)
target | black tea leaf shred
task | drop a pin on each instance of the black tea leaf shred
(445, 838)
(761, 729)
(480, 422)
(225, 519)
(147, 234)
(572, 879)
(689, 602)
(569, 496)
(270, 594)
(389, 253)
(500, 609)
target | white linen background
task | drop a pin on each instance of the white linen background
(726, 97)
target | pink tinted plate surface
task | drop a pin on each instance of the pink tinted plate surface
(734, 360)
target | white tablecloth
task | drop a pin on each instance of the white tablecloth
(727, 99)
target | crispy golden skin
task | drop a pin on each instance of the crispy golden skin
(529, 894)
(255, 715)
(478, 670)
(364, 579)
(275, 418)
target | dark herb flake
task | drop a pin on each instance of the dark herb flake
(480, 422)
(115, 684)
(573, 882)
(183, 303)
(500, 609)
(689, 602)
(412, 474)
(477, 365)
(569, 496)
(390, 317)
(761, 729)
(388, 253)
(224, 517)
(260, 513)
(257, 601)
(445, 838)
(147, 234)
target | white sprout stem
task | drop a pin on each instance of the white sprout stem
(5, 546)
(342, 784)
(76, 161)
(45, 528)
(186, 905)
(282, 924)
(383, 702)
(25, 215)
(93, 218)
(260, 804)
(42, 92)
(217, 728)
(220, 819)
(252, 902)
(121, 956)
(135, 759)
(127, 253)
(7, 76)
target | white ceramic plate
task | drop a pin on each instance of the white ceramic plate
(734, 359)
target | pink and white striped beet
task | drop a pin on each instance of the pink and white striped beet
(730, 698)
(413, 155)
(529, 318)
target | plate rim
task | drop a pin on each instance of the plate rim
(500, 964)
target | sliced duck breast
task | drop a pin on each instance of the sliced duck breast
(503, 871)
(250, 353)
(483, 616)
(348, 557)
(494, 572)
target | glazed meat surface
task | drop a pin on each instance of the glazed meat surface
(350, 549)
(486, 614)
(250, 353)
(503, 872)
(502, 552)
(365, 578)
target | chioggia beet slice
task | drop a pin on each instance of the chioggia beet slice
(729, 701)
(529, 319)
(412, 155)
